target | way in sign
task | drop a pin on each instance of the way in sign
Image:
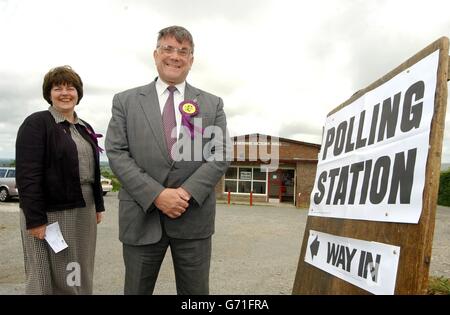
(341, 256)
(369, 265)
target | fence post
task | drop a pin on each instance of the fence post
(251, 198)
(229, 197)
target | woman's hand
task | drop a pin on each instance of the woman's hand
(38, 232)
(99, 217)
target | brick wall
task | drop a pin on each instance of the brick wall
(288, 149)
(306, 173)
(219, 189)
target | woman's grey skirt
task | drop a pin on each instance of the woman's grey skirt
(71, 270)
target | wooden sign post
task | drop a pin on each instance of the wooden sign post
(361, 235)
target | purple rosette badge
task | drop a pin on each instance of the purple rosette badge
(189, 109)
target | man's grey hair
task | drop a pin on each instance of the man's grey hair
(180, 33)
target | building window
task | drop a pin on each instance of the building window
(243, 180)
(258, 175)
(231, 173)
(230, 186)
(259, 187)
(245, 173)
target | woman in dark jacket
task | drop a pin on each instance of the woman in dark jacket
(58, 178)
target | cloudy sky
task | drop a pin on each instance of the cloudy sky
(280, 66)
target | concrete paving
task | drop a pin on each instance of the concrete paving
(255, 250)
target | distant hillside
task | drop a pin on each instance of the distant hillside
(445, 166)
(6, 162)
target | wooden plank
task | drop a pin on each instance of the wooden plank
(415, 240)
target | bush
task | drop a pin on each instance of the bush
(444, 189)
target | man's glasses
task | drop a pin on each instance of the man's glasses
(167, 50)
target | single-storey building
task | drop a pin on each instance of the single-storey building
(271, 169)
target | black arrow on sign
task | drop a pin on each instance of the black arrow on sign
(314, 247)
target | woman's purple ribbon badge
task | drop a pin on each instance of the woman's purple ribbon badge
(94, 136)
(189, 109)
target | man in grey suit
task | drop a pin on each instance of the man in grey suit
(167, 197)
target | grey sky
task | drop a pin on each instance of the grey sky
(280, 66)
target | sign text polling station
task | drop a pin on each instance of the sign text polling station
(374, 151)
(378, 167)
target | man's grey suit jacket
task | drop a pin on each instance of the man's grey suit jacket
(138, 156)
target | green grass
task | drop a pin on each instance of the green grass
(438, 286)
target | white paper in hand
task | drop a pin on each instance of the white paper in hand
(54, 237)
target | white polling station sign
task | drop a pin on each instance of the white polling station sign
(371, 266)
(374, 151)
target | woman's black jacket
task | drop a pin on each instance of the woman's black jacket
(47, 172)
